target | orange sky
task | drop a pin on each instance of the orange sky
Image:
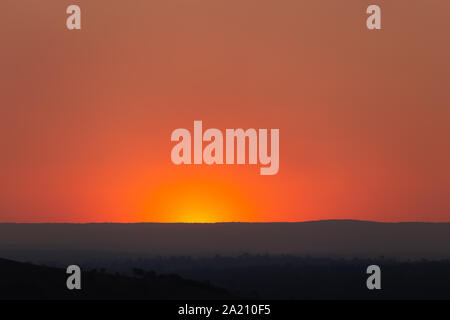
(86, 116)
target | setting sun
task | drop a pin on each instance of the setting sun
(198, 201)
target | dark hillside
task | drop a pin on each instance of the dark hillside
(28, 281)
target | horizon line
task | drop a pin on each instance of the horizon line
(238, 222)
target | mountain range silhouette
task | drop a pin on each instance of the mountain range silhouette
(332, 238)
(308, 260)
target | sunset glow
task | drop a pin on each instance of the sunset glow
(197, 201)
(86, 117)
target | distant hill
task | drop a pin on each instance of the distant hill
(334, 238)
(28, 281)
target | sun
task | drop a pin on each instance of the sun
(198, 201)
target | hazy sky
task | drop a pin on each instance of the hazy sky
(86, 116)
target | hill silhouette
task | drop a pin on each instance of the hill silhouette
(334, 238)
(308, 260)
(246, 276)
(28, 281)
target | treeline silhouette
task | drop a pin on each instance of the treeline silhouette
(305, 277)
(242, 277)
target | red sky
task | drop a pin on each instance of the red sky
(86, 116)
